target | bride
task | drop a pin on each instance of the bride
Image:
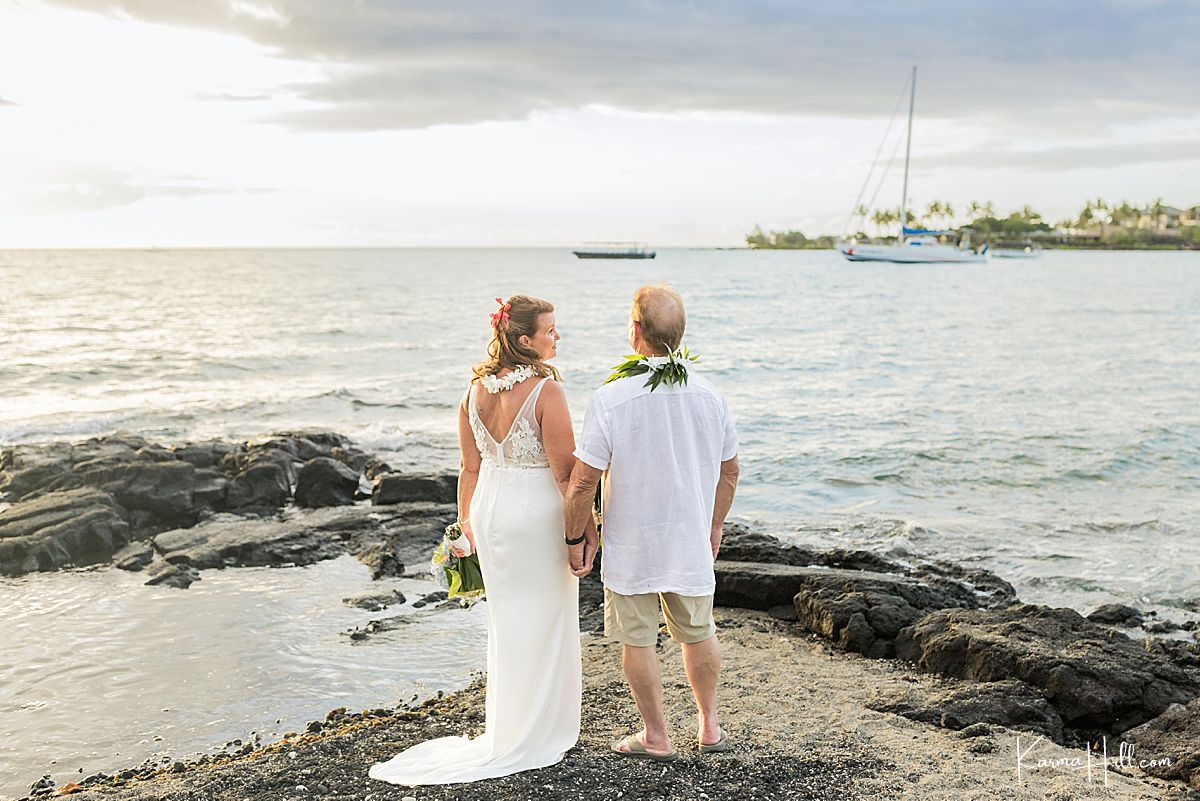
(517, 443)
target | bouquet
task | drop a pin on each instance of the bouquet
(459, 576)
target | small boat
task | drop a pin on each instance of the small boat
(614, 250)
(923, 249)
(913, 245)
(1016, 250)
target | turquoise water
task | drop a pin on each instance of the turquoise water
(1037, 418)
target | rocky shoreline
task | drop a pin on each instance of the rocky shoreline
(839, 663)
(173, 511)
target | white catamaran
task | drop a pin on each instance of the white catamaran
(913, 245)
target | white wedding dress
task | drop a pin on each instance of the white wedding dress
(534, 682)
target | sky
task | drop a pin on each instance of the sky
(210, 123)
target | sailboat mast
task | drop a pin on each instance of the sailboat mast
(912, 99)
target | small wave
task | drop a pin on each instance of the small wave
(898, 533)
(68, 375)
(230, 366)
(1063, 583)
(326, 332)
(358, 402)
(860, 458)
(1084, 475)
(380, 438)
(1118, 527)
(846, 482)
(50, 430)
(340, 392)
(1187, 604)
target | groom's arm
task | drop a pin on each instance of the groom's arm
(727, 480)
(593, 454)
(577, 512)
(726, 485)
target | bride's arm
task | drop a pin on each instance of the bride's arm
(558, 439)
(468, 472)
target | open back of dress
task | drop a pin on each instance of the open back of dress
(522, 445)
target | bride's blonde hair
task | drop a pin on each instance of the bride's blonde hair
(517, 317)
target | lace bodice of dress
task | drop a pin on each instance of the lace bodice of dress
(522, 446)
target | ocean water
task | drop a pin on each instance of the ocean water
(1040, 418)
(99, 672)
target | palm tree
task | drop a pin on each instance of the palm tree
(883, 219)
(1086, 215)
(1121, 215)
(877, 220)
(934, 210)
(1158, 211)
(758, 239)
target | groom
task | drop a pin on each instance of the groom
(670, 451)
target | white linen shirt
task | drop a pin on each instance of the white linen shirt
(662, 451)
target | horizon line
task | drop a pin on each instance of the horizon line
(164, 248)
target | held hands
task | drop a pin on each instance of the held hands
(583, 555)
(578, 559)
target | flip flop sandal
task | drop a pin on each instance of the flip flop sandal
(718, 746)
(636, 749)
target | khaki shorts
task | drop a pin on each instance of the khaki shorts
(633, 619)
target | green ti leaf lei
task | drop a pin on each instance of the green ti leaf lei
(673, 371)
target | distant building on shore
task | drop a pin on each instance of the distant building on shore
(1120, 222)
(1167, 218)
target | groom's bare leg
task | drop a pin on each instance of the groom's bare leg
(702, 663)
(645, 681)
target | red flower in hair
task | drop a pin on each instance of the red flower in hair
(501, 314)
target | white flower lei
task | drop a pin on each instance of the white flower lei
(494, 384)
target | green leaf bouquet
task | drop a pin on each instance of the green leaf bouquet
(460, 576)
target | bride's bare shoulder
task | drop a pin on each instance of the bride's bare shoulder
(553, 397)
(462, 404)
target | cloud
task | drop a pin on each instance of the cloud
(84, 188)
(4, 102)
(1067, 157)
(406, 64)
(232, 97)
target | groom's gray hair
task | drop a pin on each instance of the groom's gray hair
(658, 308)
